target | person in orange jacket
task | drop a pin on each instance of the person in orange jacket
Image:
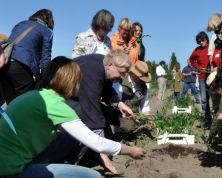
(122, 39)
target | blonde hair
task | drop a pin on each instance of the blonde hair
(3, 37)
(125, 23)
(62, 75)
(119, 58)
(213, 22)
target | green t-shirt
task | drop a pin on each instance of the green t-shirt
(35, 116)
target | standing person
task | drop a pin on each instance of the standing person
(189, 72)
(95, 40)
(215, 83)
(132, 90)
(213, 51)
(99, 72)
(122, 39)
(176, 78)
(161, 73)
(29, 56)
(137, 31)
(214, 24)
(37, 150)
(200, 61)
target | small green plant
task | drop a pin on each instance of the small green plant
(184, 102)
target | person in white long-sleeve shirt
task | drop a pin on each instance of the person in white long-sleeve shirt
(161, 73)
(132, 90)
(35, 149)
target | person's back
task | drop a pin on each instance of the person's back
(35, 46)
(30, 56)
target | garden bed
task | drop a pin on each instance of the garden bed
(168, 160)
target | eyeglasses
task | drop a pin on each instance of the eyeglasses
(122, 74)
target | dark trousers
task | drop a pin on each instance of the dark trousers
(74, 104)
(2, 99)
(16, 79)
(63, 149)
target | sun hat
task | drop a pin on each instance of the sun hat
(210, 78)
(141, 70)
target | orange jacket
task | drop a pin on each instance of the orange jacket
(118, 43)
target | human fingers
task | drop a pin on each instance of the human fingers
(108, 163)
(138, 153)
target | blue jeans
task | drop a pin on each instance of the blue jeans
(205, 100)
(50, 163)
(56, 171)
(191, 85)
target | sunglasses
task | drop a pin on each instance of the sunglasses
(201, 40)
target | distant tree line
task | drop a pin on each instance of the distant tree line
(153, 65)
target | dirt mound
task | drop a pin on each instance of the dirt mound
(176, 150)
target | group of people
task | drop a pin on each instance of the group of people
(58, 109)
(203, 72)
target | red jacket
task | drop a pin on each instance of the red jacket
(216, 58)
(200, 61)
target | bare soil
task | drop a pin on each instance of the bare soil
(168, 160)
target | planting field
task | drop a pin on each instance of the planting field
(169, 160)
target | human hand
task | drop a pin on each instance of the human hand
(127, 49)
(137, 153)
(214, 69)
(108, 163)
(151, 124)
(125, 110)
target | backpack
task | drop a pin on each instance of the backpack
(8, 47)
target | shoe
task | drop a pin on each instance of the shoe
(197, 102)
(207, 125)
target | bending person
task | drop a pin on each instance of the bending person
(37, 150)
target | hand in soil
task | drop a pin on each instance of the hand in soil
(108, 163)
(137, 153)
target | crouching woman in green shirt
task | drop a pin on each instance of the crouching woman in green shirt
(36, 149)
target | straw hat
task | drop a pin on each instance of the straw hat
(141, 70)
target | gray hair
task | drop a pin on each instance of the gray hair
(119, 58)
(102, 19)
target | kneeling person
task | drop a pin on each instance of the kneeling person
(132, 90)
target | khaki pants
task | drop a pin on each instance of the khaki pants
(126, 126)
(162, 87)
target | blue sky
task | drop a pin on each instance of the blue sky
(172, 24)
